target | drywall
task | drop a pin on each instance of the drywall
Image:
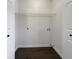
(37, 15)
(67, 30)
(56, 5)
(16, 31)
(33, 31)
(16, 24)
(57, 32)
(11, 29)
(34, 6)
(62, 25)
(57, 27)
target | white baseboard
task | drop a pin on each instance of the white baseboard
(60, 54)
(16, 48)
(30, 46)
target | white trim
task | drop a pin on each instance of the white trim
(30, 46)
(16, 49)
(60, 54)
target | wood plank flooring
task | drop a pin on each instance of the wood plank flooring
(36, 53)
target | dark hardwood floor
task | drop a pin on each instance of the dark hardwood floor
(36, 53)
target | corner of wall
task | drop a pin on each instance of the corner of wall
(59, 53)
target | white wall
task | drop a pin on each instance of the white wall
(57, 33)
(36, 15)
(56, 5)
(62, 25)
(11, 29)
(67, 30)
(35, 6)
(16, 23)
(16, 31)
(57, 26)
(37, 35)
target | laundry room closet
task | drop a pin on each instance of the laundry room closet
(33, 23)
(37, 28)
